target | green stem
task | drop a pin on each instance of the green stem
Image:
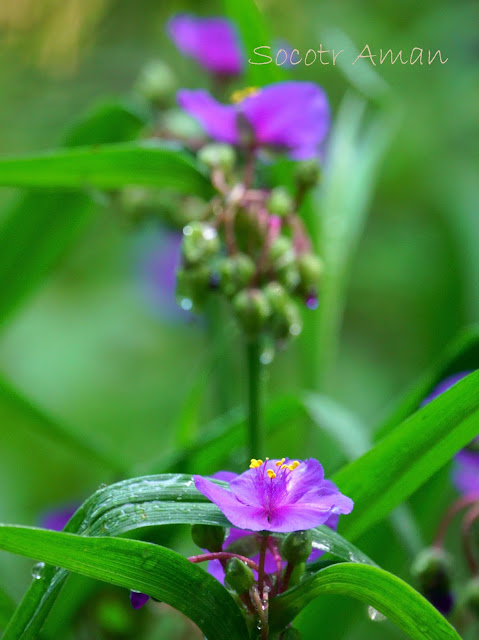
(255, 426)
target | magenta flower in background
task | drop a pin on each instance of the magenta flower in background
(443, 386)
(277, 496)
(290, 117)
(212, 42)
(56, 519)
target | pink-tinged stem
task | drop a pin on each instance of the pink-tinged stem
(223, 555)
(456, 507)
(279, 563)
(468, 521)
(262, 558)
(262, 611)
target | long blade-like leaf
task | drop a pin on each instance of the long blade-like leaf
(377, 588)
(108, 166)
(395, 468)
(7, 607)
(141, 566)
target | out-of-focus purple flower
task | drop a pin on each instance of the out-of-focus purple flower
(138, 599)
(277, 496)
(466, 472)
(56, 519)
(443, 386)
(442, 600)
(212, 42)
(158, 266)
(290, 117)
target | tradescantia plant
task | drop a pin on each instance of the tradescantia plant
(234, 180)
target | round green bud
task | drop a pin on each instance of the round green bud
(236, 273)
(310, 269)
(289, 277)
(218, 156)
(433, 568)
(207, 536)
(156, 83)
(307, 173)
(471, 596)
(245, 546)
(281, 253)
(192, 286)
(280, 203)
(297, 547)
(277, 296)
(252, 310)
(200, 242)
(179, 124)
(239, 576)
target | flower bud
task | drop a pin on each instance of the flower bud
(239, 576)
(252, 310)
(285, 320)
(310, 268)
(289, 277)
(236, 273)
(192, 285)
(471, 596)
(156, 83)
(180, 125)
(281, 253)
(208, 536)
(307, 173)
(218, 156)
(277, 296)
(297, 547)
(297, 574)
(200, 242)
(280, 203)
(433, 570)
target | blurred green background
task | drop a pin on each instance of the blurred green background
(93, 349)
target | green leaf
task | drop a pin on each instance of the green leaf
(131, 505)
(41, 225)
(461, 355)
(341, 206)
(351, 436)
(107, 166)
(7, 607)
(254, 33)
(141, 566)
(15, 408)
(377, 588)
(396, 467)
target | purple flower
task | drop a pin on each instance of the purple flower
(212, 42)
(443, 386)
(286, 116)
(277, 496)
(138, 599)
(466, 472)
(56, 519)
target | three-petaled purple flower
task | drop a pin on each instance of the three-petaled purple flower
(290, 117)
(277, 496)
(466, 468)
(212, 42)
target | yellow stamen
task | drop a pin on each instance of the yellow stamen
(271, 474)
(254, 464)
(241, 94)
(280, 462)
(291, 466)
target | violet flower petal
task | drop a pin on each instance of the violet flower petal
(212, 42)
(218, 120)
(138, 599)
(466, 472)
(443, 386)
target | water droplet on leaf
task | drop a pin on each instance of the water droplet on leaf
(37, 570)
(375, 615)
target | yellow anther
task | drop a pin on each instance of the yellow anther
(254, 464)
(280, 462)
(241, 94)
(291, 466)
(271, 474)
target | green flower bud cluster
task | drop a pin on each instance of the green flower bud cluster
(253, 249)
(156, 83)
